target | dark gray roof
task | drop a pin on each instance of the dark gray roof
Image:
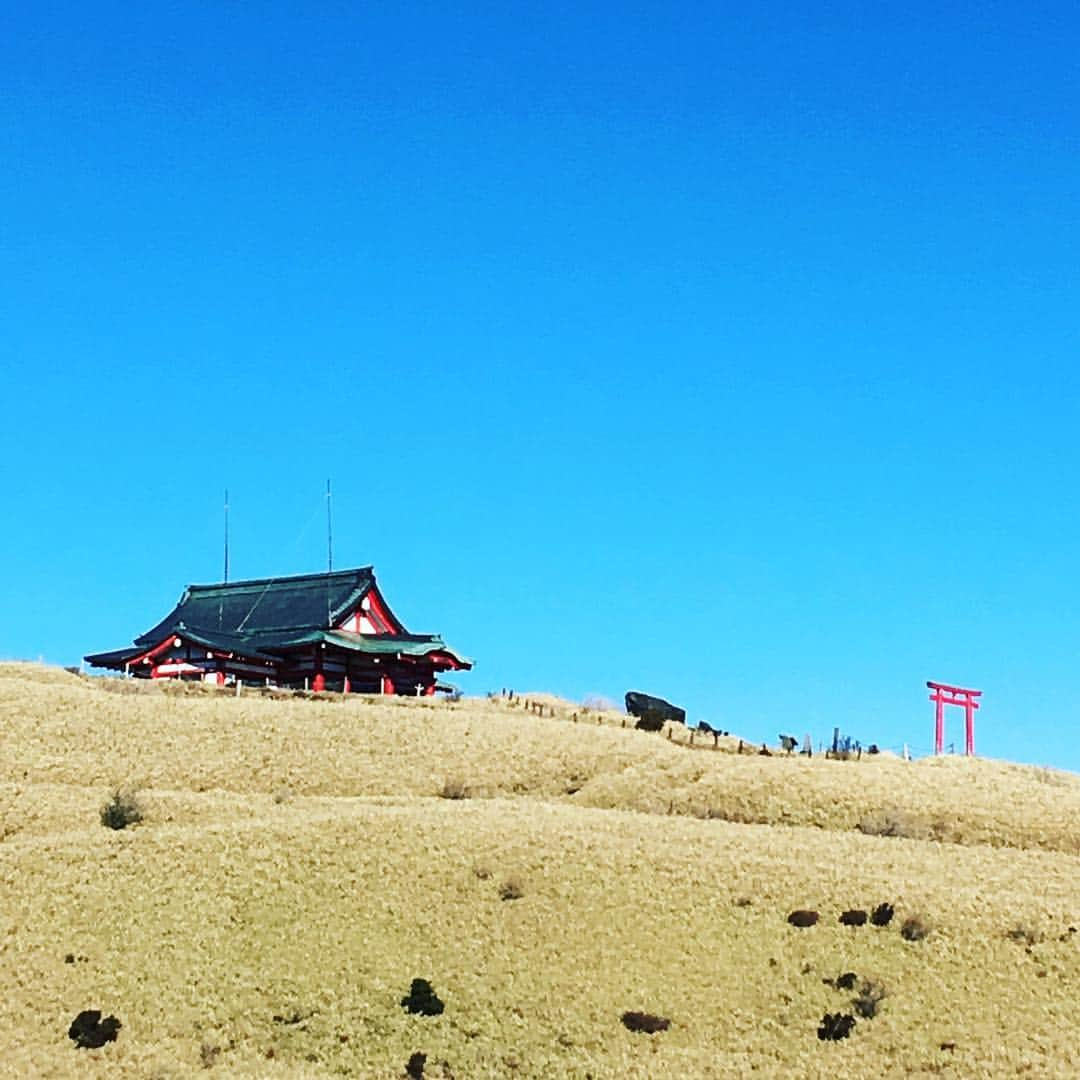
(116, 658)
(264, 605)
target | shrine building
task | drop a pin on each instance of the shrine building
(330, 631)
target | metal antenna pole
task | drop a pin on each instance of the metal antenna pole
(226, 536)
(329, 532)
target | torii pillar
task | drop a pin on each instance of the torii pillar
(943, 695)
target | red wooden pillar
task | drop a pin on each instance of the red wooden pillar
(348, 685)
(969, 727)
(939, 720)
(387, 686)
(319, 683)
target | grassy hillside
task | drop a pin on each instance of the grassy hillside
(300, 863)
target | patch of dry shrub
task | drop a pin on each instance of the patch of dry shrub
(122, 809)
(915, 928)
(890, 821)
(453, 788)
(511, 889)
(870, 995)
(1026, 934)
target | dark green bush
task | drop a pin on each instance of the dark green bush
(649, 1023)
(122, 809)
(422, 999)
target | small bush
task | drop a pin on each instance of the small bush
(575, 782)
(870, 995)
(914, 929)
(646, 1022)
(945, 830)
(511, 889)
(422, 999)
(882, 914)
(414, 1068)
(892, 822)
(803, 918)
(853, 917)
(835, 1026)
(292, 1017)
(122, 809)
(453, 788)
(89, 1031)
(1025, 933)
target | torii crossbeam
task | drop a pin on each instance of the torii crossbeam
(943, 695)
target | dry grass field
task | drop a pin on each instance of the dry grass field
(301, 861)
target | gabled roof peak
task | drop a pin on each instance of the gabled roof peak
(361, 575)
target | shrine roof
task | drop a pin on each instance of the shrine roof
(261, 605)
(116, 658)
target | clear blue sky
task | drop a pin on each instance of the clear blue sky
(722, 351)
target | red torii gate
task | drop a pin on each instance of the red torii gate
(954, 695)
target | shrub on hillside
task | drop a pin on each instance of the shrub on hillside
(511, 889)
(646, 1022)
(422, 999)
(835, 1026)
(453, 788)
(914, 929)
(882, 914)
(1026, 933)
(122, 809)
(853, 917)
(891, 822)
(89, 1031)
(870, 995)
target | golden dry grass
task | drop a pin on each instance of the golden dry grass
(298, 861)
